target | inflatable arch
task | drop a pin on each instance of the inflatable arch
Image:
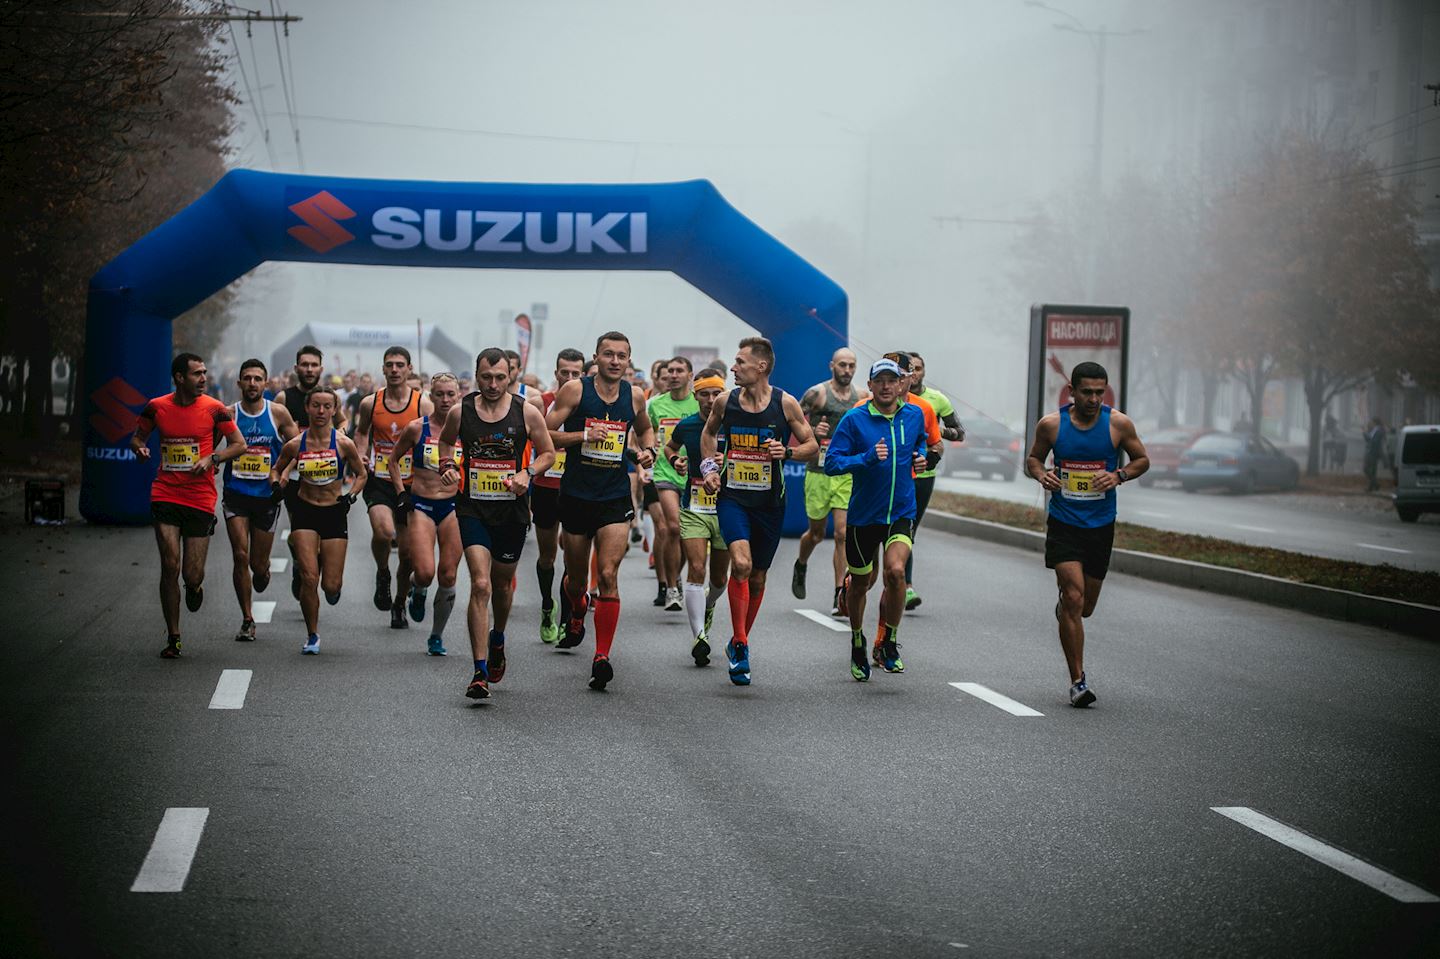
(249, 217)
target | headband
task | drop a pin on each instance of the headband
(710, 383)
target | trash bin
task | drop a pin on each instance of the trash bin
(44, 501)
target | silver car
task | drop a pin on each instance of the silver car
(1239, 461)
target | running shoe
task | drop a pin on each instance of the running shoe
(294, 579)
(171, 650)
(574, 632)
(837, 607)
(417, 604)
(333, 598)
(1081, 695)
(497, 656)
(312, 646)
(650, 563)
(194, 596)
(912, 598)
(397, 617)
(700, 651)
(549, 628)
(738, 655)
(709, 618)
(659, 596)
(435, 646)
(247, 632)
(635, 534)
(859, 665)
(673, 602)
(601, 672)
(479, 687)
(887, 655)
(260, 581)
(382, 590)
(797, 580)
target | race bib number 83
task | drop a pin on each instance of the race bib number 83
(1077, 479)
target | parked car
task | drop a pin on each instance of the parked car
(1164, 448)
(1417, 488)
(989, 448)
(1237, 460)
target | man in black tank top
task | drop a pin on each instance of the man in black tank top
(758, 421)
(492, 427)
(826, 497)
(591, 418)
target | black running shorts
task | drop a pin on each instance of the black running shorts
(585, 517)
(1089, 546)
(649, 495)
(194, 523)
(864, 543)
(261, 511)
(379, 492)
(505, 541)
(331, 522)
(545, 506)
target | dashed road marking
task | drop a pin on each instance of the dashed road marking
(1305, 844)
(167, 865)
(1253, 529)
(838, 625)
(278, 564)
(284, 534)
(263, 610)
(1150, 512)
(231, 689)
(999, 700)
(1388, 549)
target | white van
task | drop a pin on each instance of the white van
(1418, 456)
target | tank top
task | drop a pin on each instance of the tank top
(550, 479)
(295, 404)
(1079, 456)
(493, 453)
(751, 477)
(831, 411)
(320, 467)
(249, 473)
(429, 447)
(596, 471)
(385, 429)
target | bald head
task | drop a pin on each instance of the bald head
(842, 367)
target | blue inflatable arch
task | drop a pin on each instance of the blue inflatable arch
(250, 217)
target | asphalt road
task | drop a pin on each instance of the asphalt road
(1354, 527)
(359, 805)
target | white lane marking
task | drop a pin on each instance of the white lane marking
(231, 689)
(1151, 512)
(1253, 529)
(278, 564)
(840, 626)
(996, 699)
(1388, 549)
(168, 863)
(1343, 862)
(284, 534)
(263, 610)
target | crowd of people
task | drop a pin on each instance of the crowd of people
(463, 465)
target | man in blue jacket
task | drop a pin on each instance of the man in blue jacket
(879, 444)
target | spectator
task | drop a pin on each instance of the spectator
(1374, 449)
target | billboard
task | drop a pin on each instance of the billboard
(1062, 337)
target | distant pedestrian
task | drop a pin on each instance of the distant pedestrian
(1374, 450)
(5, 388)
(1334, 446)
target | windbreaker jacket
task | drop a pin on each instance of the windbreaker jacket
(883, 491)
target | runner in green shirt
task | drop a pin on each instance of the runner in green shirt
(950, 429)
(666, 410)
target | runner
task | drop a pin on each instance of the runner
(249, 508)
(491, 427)
(646, 494)
(594, 415)
(756, 421)
(309, 367)
(515, 385)
(182, 495)
(383, 415)
(1080, 528)
(430, 505)
(545, 504)
(666, 410)
(826, 497)
(881, 445)
(699, 527)
(319, 510)
(952, 430)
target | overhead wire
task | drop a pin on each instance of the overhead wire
(285, 84)
(249, 93)
(299, 148)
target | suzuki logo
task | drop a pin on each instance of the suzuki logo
(116, 417)
(321, 232)
(510, 231)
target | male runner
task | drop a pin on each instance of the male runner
(250, 509)
(756, 421)
(699, 526)
(545, 503)
(182, 495)
(592, 417)
(881, 444)
(951, 430)
(515, 385)
(431, 512)
(646, 496)
(491, 426)
(826, 497)
(383, 415)
(1080, 528)
(666, 410)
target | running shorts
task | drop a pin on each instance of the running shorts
(505, 542)
(585, 517)
(436, 509)
(261, 511)
(704, 526)
(1088, 545)
(379, 492)
(759, 527)
(330, 522)
(864, 543)
(825, 493)
(649, 495)
(664, 485)
(545, 506)
(194, 523)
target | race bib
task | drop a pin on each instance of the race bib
(748, 469)
(1077, 479)
(558, 470)
(319, 467)
(610, 448)
(253, 464)
(662, 432)
(487, 479)
(382, 465)
(431, 452)
(701, 501)
(179, 453)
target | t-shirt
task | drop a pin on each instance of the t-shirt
(665, 412)
(943, 408)
(187, 435)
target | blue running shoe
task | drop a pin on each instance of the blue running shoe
(417, 604)
(889, 656)
(312, 646)
(435, 647)
(739, 656)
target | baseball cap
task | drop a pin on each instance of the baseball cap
(884, 366)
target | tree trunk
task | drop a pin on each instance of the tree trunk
(1209, 390)
(36, 349)
(1315, 400)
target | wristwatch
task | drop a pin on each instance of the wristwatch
(531, 471)
(1120, 474)
(789, 452)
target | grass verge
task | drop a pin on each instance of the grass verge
(1392, 582)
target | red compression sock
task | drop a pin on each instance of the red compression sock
(756, 595)
(739, 592)
(607, 617)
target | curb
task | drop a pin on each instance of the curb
(1414, 619)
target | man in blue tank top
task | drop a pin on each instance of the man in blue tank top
(1084, 436)
(756, 421)
(250, 507)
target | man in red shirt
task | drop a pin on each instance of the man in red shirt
(182, 496)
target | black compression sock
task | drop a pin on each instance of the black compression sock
(547, 584)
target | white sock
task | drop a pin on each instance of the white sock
(442, 607)
(714, 594)
(647, 526)
(695, 606)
